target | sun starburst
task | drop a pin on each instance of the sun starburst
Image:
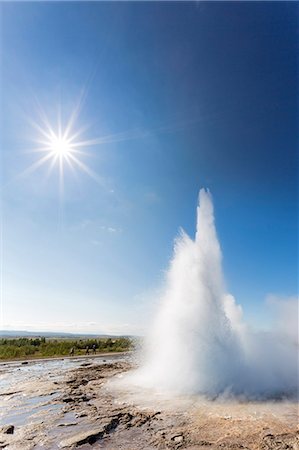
(61, 146)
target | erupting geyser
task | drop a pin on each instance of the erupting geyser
(199, 342)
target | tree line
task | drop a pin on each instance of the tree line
(42, 347)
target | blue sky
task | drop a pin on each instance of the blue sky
(195, 95)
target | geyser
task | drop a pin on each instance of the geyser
(199, 342)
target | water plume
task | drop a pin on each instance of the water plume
(199, 342)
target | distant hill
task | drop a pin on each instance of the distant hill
(50, 334)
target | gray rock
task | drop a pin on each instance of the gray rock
(177, 438)
(87, 437)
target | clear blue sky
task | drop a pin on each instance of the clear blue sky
(205, 94)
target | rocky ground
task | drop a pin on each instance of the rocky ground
(75, 408)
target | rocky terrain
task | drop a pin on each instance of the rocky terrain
(74, 407)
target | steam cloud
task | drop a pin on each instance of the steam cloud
(199, 342)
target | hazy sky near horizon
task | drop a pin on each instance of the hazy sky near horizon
(176, 96)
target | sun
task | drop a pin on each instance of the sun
(60, 146)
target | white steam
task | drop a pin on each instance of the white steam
(199, 342)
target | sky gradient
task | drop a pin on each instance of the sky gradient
(191, 95)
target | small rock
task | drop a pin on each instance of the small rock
(83, 414)
(177, 438)
(68, 400)
(8, 429)
(24, 362)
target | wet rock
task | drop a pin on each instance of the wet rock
(87, 437)
(84, 398)
(91, 436)
(286, 441)
(82, 414)
(9, 393)
(177, 439)
(8, 429)
(142, 418)
(68, 400)
(24, 363)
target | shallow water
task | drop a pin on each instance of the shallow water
(22, 387)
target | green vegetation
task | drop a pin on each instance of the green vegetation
(42, 348)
